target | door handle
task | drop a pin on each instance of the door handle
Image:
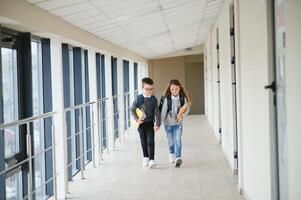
(271, 86)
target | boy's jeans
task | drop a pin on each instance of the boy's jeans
(174, 135)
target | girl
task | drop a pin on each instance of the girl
(175, 106)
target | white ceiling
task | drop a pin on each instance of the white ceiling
(148, 27)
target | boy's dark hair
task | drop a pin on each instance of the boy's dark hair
(148, 81)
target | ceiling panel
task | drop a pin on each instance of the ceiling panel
(55, 4)
(75, 8)
(147, 27)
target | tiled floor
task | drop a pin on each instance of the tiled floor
(204, 174)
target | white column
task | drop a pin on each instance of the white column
(108, 72)
(121, 98)
(93, 97)
(58, 105)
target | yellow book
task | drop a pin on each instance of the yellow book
(141, 115)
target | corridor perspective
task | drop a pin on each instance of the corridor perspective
(204, 174)
(73, 72)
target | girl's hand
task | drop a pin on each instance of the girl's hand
(156, 128)
(180, 117)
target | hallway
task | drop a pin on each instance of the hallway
(204, 174)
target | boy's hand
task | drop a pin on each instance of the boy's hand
(156, 128)
(139, 121)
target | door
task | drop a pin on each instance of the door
(280, 103)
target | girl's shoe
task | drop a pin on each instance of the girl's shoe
(145, 162)
(152, 164)
(178, 162)
(172, 158)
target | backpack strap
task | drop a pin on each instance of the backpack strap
(161, 103)
(182, 100)
(169, 104)
(140, 100)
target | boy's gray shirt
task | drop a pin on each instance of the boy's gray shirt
(148, 110)
(169, 119)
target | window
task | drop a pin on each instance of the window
(10, 99)
(136, 78)
(76, 92)
(26, 74)
(126, 90)
(101, 94)
(115, 97)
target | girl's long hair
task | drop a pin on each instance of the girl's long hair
(182, 92)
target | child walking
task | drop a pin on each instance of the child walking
(149, 123)
(174, 107)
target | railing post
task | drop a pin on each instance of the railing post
(107, 126)
(93, 139)
(119, 122)
(54, 160)
(100, 129)
(81, 145)
(29, 153)
(66, 154)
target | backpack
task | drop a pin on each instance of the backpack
(169, 102)
(140, 101)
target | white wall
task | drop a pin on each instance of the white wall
(255, 122)
(226, 83)
(253, 100)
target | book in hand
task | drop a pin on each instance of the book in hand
(182, 111)
(141, 115)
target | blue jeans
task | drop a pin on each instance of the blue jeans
(174, 135)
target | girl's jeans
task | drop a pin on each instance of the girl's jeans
(174, 134)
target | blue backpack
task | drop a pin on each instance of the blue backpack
(140, 101)
(169, 102)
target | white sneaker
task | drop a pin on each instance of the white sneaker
(152, 164)
(178, 162)
(172, 158)
(145, 162)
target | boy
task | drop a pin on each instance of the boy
(149, 105)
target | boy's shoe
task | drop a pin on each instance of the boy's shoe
(145, 162)
(178, 162)
(152, 164)
(172, 158)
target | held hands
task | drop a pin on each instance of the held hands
(156, 128)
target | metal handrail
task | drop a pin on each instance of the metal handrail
(78, 106)
(80, 132)
(29, 159)
(26, 120)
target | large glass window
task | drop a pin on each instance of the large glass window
(136, 78)
(25, 75)
(10, 99)
(38, 125)
(76, 92)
